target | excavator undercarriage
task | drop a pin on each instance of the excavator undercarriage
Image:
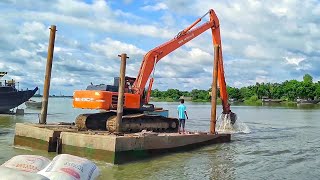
(130, 122)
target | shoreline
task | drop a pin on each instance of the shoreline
(245, 102)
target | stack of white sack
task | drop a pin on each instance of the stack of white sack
(23, 167)
(63, 166)
(69, 167)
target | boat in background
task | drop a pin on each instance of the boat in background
(33, 104)
(266, 99)
(234, 100)
(272, 100)
(10, 96)
(308, 101)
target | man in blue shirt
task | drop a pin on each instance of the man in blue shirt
(182, 115)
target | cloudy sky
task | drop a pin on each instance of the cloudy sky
(263, 41)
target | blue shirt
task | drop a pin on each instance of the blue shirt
(181, 109)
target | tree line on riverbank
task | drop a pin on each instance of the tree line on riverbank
(288, 90)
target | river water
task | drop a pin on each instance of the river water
(283, 143)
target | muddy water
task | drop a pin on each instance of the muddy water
(284, 143)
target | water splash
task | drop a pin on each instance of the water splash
(224, 125)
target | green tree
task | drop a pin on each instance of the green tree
(246, 92)
(186, 93)
(262, 90)
(156, 93)
(234, 93)
(307, 78)
(173, 93)
(200, 95)
(307, 88)
(276, 91)
(291, 89)
(317, 90)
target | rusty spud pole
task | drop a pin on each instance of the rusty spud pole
(214, 90)
(121, 91)
(44, 109)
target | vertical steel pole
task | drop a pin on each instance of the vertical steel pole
(214, 90)
(44, 109)
(121, 91)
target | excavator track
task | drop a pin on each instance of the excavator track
(93, 121)
(130, 123)
(138, 122)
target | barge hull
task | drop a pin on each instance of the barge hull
(115, 149)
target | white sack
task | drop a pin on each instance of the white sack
(14, 174)
(69, 167)
(29, 163)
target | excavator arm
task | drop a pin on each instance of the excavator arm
(156, 54)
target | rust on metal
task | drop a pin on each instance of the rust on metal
(214, 90)
(93, 121)
(44, 109)
(81, 122)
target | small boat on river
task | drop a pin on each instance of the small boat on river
(269, 100)
(307, 101)
(272, 100)
(10, 96)
(33, 104)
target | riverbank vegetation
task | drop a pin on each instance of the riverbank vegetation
(288, 91)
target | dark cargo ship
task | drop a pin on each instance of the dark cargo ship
(10, 96)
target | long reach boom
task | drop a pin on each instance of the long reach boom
(156, 54)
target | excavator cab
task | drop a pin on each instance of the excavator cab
(114, 87)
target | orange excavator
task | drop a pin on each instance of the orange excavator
(136, 98)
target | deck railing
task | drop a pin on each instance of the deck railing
(12, 83)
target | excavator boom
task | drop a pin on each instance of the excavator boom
(155, 55)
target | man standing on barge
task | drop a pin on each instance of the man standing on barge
(182, 115)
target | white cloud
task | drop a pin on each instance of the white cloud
(155, 7)
(279, 11)
(32, 31)
(190, 57)
(111, 48)
(294, 60)
(104, 24)
(76, 8)
(168, 19)
(22, 53)
(64, 81)
(238, 84)
(261, 79)
(255, 51)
